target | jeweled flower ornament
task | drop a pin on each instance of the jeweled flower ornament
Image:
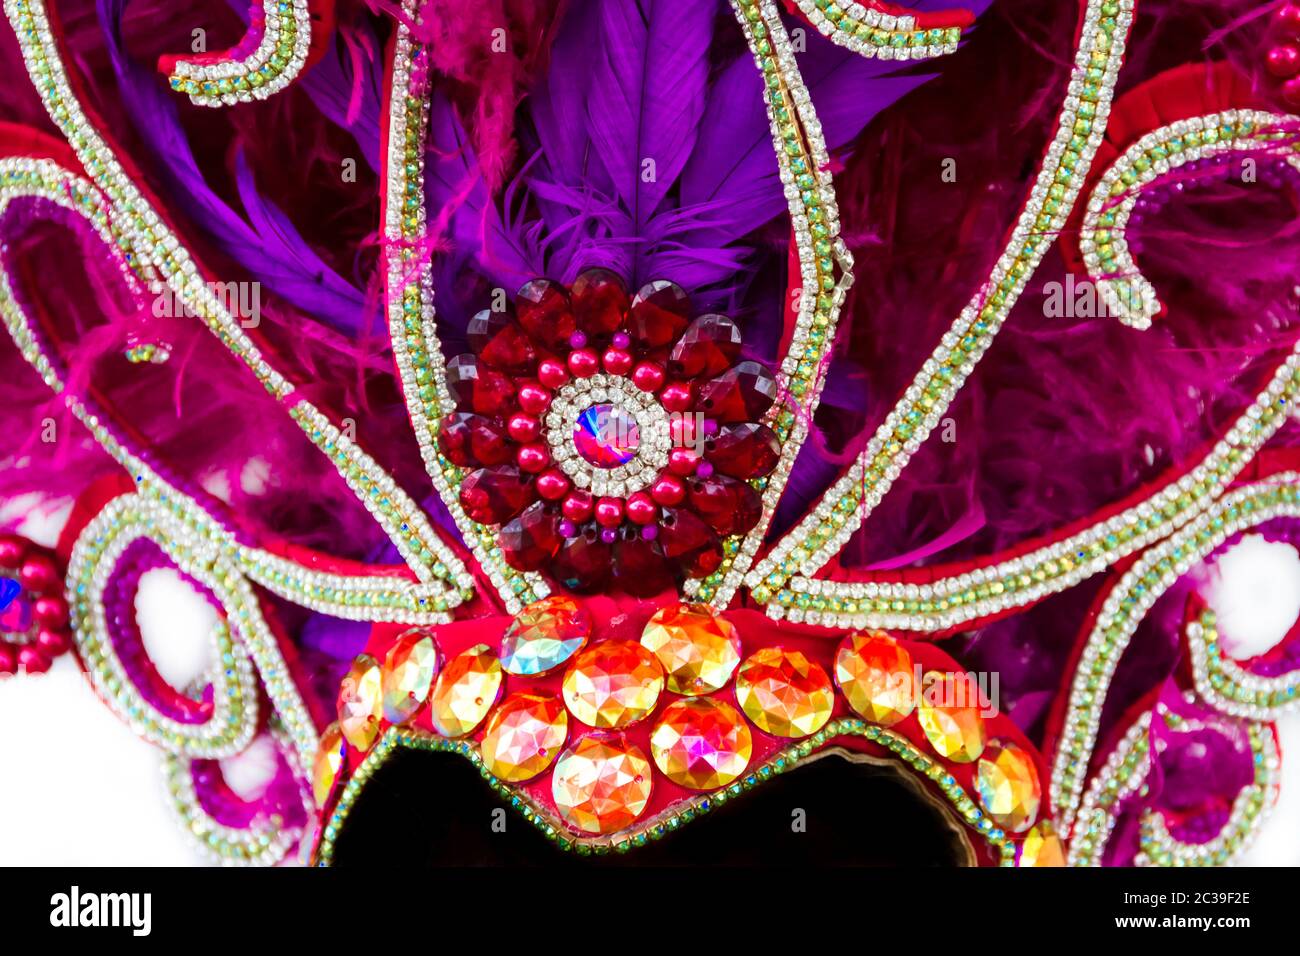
(632, 414)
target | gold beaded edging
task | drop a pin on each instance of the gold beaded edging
(273, 65)
(1124, 775)
(870, 32)
(1127, 603)
(677, 816)
(1127, 293)
(416, 349)
(379, 598)
(1227, 686)
(155, 254)
(804, 165)
(843, 509)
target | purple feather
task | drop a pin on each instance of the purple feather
(271, 250)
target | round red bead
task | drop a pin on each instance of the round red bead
(641, 509)
(682, 461)
(552, 485)
(668, 490)
(583, 363)
(648, 377)
(609, 512)
(12, 549)
(51, 611)
(533, 399)
(53, 642)
(33, 659)
(8, 658)
(533, 458)
(40, 574)
(1284, 60)
(577, 506)
(676, 397)
(617, 361)
(523, 428)
(552, 373)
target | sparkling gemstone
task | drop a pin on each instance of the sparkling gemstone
(465, 691)
(325, 768)
(729, 506)
(471, 440)
(708, 347)
(478, 388)
(741, 394)
(1041, 847)
(499, 341)
(639, 566)
(582, 563)
(949, 712)
(613, 684)
(690, 542)
(543, 310)
(606, 436)
(599, 301)
(523, 735)
(701, 743)
(361, 702)
(601, 783)
(745, 451)
(784, 693)
(530, 540)
(698, 649)
(544, 635)
(875, 676)
(408, 674)
(1008, 786)
(494, 495)
(658, 313)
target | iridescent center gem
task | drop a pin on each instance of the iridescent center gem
(361, 702)
(465, 691)
(544, 635)
(523, 736)
(606, 436)
(784, 693)
(1008, 785)
(601, 783)
(701, 743)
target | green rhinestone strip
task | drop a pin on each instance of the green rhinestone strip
(1125, 774)
(1229, 687)
(273, 65)
(825, 275)
(873, 33)
(1127, 294)
(416, 350)
(821, 535)
(1128, 602)
(676, 817)
(155, 255)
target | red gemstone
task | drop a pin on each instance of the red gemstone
(689, 542)
(709, 347)
(582, 563)
(729, 506)
(472, 440)
(499, 341)
(658, 314)
(544, 313)
(494, 495)
(639, 567)
(477, 388)
(529, 541)
(744, 451)
(599, 301)
(742, 394)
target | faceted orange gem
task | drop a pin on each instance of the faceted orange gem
(465, 691)
(1041, 847)
(523, 735)
(613, 684)
(409, 667)
(875, 676)
(325, 768)
(698, 650)
(601, 783)
(949, 712)
(544, 635)
(784, 693)
(361, 702)
(702, 743)
(1008, 786)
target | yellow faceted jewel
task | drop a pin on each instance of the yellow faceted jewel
(523, 736)
(601, 784)
(1041, 847)
(949, 712)
(408, 674)
(325, 768)
(698, 650)
(784, 693)
(465, 691)
(701, 743)
(613, 684)
(361, 702)
(875, 676)
(1008, 786)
